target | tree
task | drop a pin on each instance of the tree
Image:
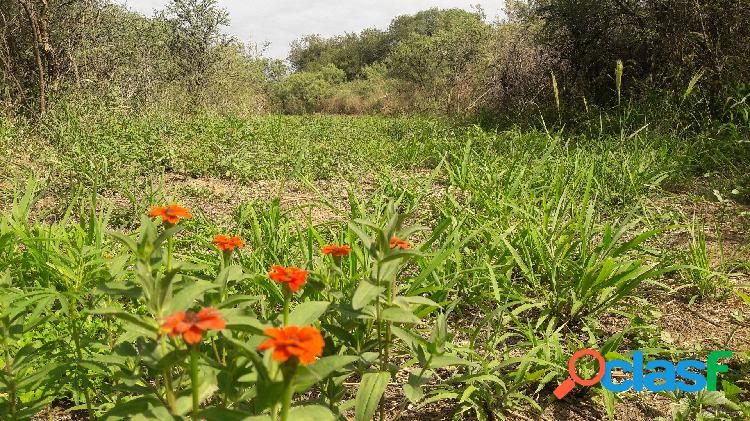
(196, 29)
(435, 51)
(350, 52)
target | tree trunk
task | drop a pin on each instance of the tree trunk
(37, 42)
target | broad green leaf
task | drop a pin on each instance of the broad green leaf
(371, 389)
(744, 297)
(415, 299)
(236, 300)
(230, 274)
(307, 376)
(448, 360)
(399, 315)
(307, 312)
(206, 388)
(413, 388)
(412, 340)
(127, 409)
(244, 324)
(364, 294)
(187, 296)
(223, 414)
(311, 413)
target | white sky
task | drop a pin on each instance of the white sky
(282, 21)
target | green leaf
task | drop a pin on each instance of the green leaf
(187, 296)
(126, 240)
(124, 315)
(242, 323)
(206, 387)
(415, 299)
(307, 376)
(127, 409)
(398, 255)
(399, 315)
(744, 297)
(412, 340)
(609, 403)
(232, 273)
(223, 414)
(236, 300)
(446, 360)
(413, 389)
(371, 390)
(311, 413)
(364, 294)
(307, 312)
(715, 398)
(439, 259)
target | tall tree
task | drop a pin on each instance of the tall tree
(196, 27)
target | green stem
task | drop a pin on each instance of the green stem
(216, 352)
(171, 402)
(286, 403)
(381, 351)
(287, 299)
(169, 253)
(378, 322)
(12, 382)
(388, 323)
(79, 356)
(226, 260)
(194, 380)
(288, 370)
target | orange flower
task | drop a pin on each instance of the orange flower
(223, 242)
(336, 250)
(171, 214)
(192, 325)
(305, 343)
(397, 242)
(292, 276)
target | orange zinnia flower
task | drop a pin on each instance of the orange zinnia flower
(336, 251)
(292, 276)
(397, 242)
(192, 325)
(171, 214)
(305, 343)
(223, 242)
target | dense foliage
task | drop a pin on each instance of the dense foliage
(543, 59)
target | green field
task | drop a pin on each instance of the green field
(528, 245)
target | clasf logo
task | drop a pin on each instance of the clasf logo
(660, 375)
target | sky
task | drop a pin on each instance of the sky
(279, 22)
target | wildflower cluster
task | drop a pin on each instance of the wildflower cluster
(211, 340)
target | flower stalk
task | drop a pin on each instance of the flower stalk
(194, 380)
(287, 301)
(168, 392)
(288, 370)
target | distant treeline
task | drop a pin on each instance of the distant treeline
(543, 57)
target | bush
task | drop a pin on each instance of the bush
(305, 92)
(663, 43)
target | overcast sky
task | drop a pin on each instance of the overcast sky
(282, 21)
